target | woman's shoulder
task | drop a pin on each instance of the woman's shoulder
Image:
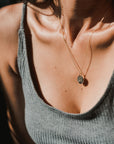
(10, 17)
(9, 21)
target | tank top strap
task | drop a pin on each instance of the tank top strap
(21, 55)
(23, 14)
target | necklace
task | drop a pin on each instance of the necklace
(81, 78)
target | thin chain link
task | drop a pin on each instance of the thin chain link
(76, 64)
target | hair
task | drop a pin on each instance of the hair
(43, 4)
(54, 4)
(48, 2)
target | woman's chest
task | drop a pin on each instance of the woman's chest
(57, 75)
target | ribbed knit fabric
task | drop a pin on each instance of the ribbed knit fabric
(48, 125)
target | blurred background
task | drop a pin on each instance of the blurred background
(4, 2)
(7, 2)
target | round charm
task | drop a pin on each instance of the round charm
(80, 79)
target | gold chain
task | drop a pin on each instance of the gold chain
(75, 61)
(82, 77)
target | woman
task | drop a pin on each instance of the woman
(56, 66)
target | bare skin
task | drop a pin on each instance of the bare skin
(54, 68)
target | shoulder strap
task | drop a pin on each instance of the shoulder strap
(23, 14)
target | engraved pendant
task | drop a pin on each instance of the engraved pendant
(80, 79)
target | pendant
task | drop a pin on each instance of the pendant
(80, 79)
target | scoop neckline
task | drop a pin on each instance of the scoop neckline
(60, 112)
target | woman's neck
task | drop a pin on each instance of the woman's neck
(78, 14)
(81, 9)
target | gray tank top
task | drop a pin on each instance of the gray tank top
(48, 125)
